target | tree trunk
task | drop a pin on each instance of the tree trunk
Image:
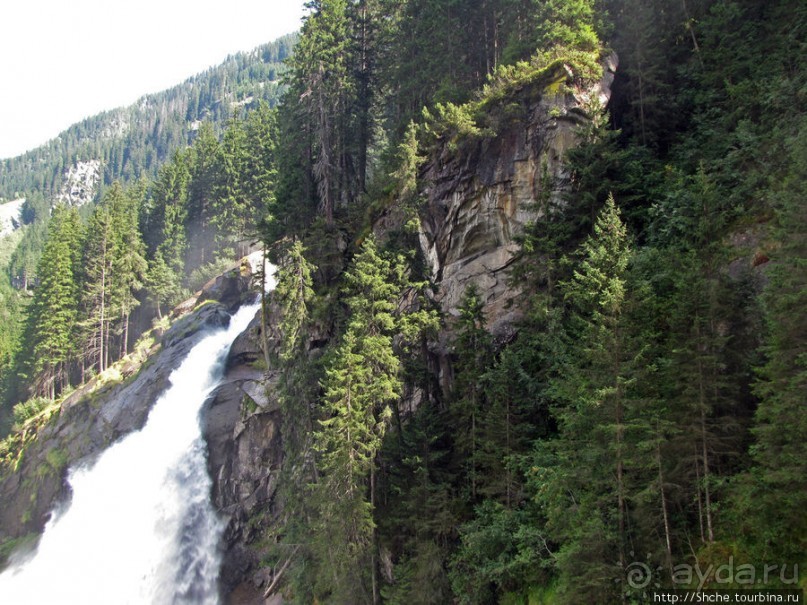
(664, 513)
(691, 30)
(373, 545)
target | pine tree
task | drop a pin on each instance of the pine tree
(99, 257)
(320, 76)
(293, 294)
(261, 170)
(162, 283)
(777, 497)
(114, 270)
(474, 355)
(232, 207)
(129, 266)
(204, 179)
(165, 227)
(54, 310)
(586, 471)
(360, 383)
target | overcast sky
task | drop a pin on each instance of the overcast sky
(65, 60)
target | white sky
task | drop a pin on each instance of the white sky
(65, 60)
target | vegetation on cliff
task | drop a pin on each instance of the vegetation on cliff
(634, 417)
(647, 407)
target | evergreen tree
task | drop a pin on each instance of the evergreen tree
(261, 170)
(54, 310)
(204, 181)
(360, 383)
(293, 293)
(129, 270)
(114, 271)
(162, 283)
(99, 257)
(587, 470)
(474, 355)
(777, 496)
(320, 75)
(232, 207)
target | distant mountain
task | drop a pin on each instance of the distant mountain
(129, 142)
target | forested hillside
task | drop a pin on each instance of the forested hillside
(140, 250)
(134, 141)
(649, 408)
(638, 402)
(124, 145)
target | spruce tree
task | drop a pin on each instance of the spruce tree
(320, 74)
(777, 496)
(54, 310)
(232, 207)
(204, 169)
(474, 348)
(361, 382)
(586, 472)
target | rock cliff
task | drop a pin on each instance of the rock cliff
(476, 201)
(480, 197)
(242, 426)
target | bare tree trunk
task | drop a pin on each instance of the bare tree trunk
(692, 33)
(279, 574)
(373, 563)
(665, 515)
(706, 481)
(700, 502)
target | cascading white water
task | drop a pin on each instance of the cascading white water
(139, 527)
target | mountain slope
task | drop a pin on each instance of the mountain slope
(133, 141)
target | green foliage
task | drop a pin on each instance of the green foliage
(774, 499)
(30, 408)
(163, 283)
(293, 293)
(54, 309)
(203, 274)
(550, 70)
(567, 24)
(501, 550)
(623, 416)
(114, 271)
(361, 382)
(408, 163)
(135, 141)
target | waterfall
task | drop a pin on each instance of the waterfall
(139, 527)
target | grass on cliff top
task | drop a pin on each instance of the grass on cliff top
(550, 71)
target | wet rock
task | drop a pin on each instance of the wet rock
(241, 424)
(230, 289)
(208, 316)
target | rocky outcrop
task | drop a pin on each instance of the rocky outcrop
(481, 196)
(80, 183)
(242, 428)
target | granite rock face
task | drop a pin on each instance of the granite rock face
(242, 428)
(482, 195)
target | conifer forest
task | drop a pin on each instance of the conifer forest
(539, 333)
